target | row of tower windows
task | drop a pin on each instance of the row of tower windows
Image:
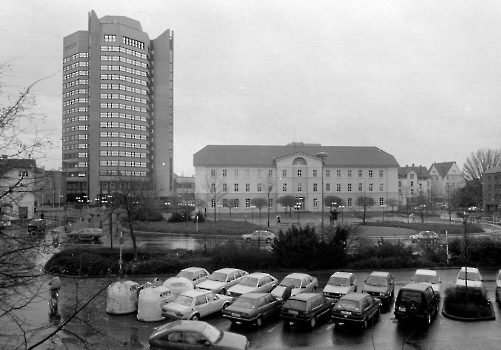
(75, 92)
(122, 144)
(123, 78)
(123, 126)
(124, 50)
(75, 82)
(122, 154)
(75, 56)
(75, 128)
(122, 135)
(76, 109)
(124, 59)
(133, 42)
(74, 101)
(123, 98)
(78, 118)
(123, 88)
(123, 116)
(75, 65)
(75, 74)
(124, 106)
(123, 163)
(125, 69)
(123, 173)
(75, 146)
(75, 137)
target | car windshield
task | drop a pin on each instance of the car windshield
(299, 305)
(183, 300)
(349, 305)
(218, 276)
(377, 281)
(425, 278)
(246, 303)
(339, 281)
(212, 334)
(249, 282)
(186, 274)
(472, 276)
(407, 295)
(291, 282)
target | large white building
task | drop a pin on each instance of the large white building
(243, 173)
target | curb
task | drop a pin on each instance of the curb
(469, 319)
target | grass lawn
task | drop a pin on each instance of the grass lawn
(220, 227)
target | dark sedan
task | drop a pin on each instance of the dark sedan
(356, 309)
(253, 308)
(306, 308)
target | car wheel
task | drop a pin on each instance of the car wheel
(195, 317)
(313, 322)
(259, 322)
(268, 240)
(223, 291)
(225, 305)
(248, 240)
(364, 325)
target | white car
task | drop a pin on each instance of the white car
(86, 233)
(221, 280)
(194, 274)
(428, 276)
(259, 236)
(423, 236)
(253, 283)
(469, 277)
(340, 284)
(194, 304)
(299, 283)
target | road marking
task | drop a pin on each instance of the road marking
(272, 329)
(329, 327)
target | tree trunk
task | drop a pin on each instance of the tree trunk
(133, 237)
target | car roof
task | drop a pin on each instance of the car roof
(355, 296)
(227, 270)
(263, 231)
(470, 269)
(297, 275)
(304, 296)
(379, 273)
(257, 274)
(426, 272)
(342, 274)
(426, 232)
(416, 286)
(181, 325)
(195, 292)
(192, 269)
(254, 295)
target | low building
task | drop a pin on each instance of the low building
(243, 175)
(17, 185)
(445, 178)
(491, 189)
(413, 185)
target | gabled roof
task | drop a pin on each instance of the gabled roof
(13, 163)
(443, 168)
(493, 170)
(421, 171)
(265, 156)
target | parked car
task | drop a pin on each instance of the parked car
(194, 274)
(469, 277)
(86, 233)
(259, 236)
(339, 284)
(299, 283)
(417, 302)
(37, 227)
(221, 280)
(253, 308)
(422, 236)
(253, 283)
(428, 276)
(498, 287)
(194, 304)
(356, 309)
(4, 222)
(306, 308)
(380, 285)
(195, 335)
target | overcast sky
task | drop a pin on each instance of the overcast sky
(419, 79)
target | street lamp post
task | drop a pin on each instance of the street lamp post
(322, 156)
(252, 213)
(342, 219)
(383, 207)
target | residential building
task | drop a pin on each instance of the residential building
(242, 173)
(117, 108)
(445, 178)
(17, 184)
(491, 189)
(413, 185)
(185, 189)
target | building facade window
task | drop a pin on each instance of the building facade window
(327, 187)
(315, 202)
(370, 173)
(349, 174)
(225, 187)
(259, 174)
(314, 173)
(349, 201)
(299, 187)
(259, 188)
(370, 187)
(381, 201)
(338, 173)
(235, 173)
(299, 172)
(235, 188)
(212, 203)
(247, 173)
(338, 187)
(327, 173)
(381, 173)
(225, 173)
(213, 173)
(360, 174)
(247, 202)
(349, 187)
(360, 189)
(284, 173)
(284, 187)
(247, 187)
(381, 187)
(315, 187)
(270, 173)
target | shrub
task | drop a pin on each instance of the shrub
(477, 306)
(177, 217)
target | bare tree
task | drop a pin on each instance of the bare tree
(259, 202)
(392, 202)
(364, 202)
(216, 188)
(287, 201)
(231, 203)
(480, 161)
